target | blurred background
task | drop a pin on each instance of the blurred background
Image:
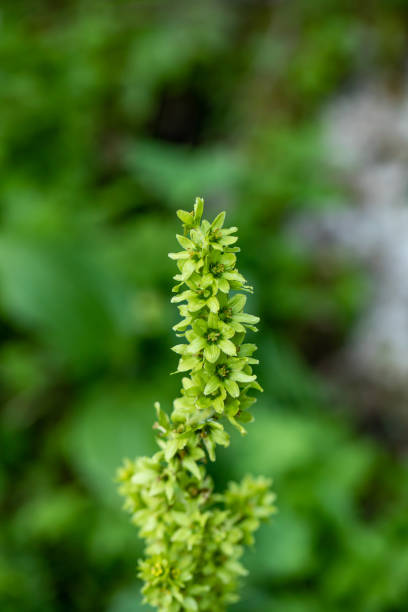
(292, 116)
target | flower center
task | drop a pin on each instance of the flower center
(226, 313)
(223, 370)
(157, 569)
(213, 336)
(217, 269)
(215, 234)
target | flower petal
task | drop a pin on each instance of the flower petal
(240, 376)
(212, 385)
(213, 304)
(237, 303)
(232, 387)
(212, 352)
(227, 347)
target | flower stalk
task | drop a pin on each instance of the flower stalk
(194, 536)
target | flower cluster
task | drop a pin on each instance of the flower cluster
(195, 536)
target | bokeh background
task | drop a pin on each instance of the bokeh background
(293, 117)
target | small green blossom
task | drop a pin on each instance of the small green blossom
(194, 536)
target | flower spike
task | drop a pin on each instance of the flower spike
(194, 536)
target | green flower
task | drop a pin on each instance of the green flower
(193, 406)
(192, 219)
(231, 312)
(221, 268)
(219, 238)
(211, 336)
(227, 373)
(201, 294)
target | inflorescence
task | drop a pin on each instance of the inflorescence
(195, 536)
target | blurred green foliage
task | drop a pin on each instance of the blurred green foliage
(114, 114)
